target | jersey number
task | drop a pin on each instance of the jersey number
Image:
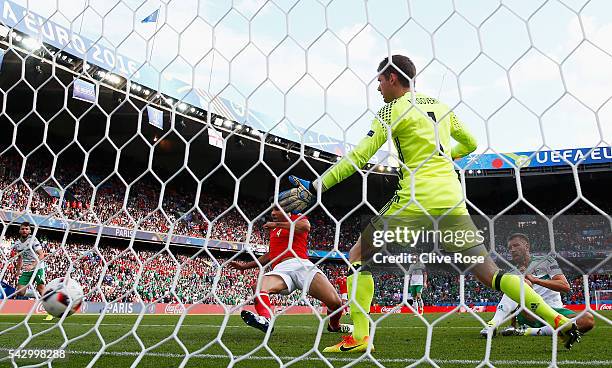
(432, 115)
(278, 233)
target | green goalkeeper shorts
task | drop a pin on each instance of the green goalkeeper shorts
(415, 289)
(26, 277)
(522, 320)
(456, 228)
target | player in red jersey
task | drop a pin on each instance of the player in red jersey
(341, 282)
(290, 270)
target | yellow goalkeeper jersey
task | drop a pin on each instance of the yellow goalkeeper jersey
(413, 134)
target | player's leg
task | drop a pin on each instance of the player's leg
(321, 289)
(530, 326)
(512, 330)
(488, 273)
(364, 292)
(411, 296)
(585, 323)
(20, 290)
(360, 302)
(345, 303)
(40, 281)
(22, 284)
(419, 299)
(504, 308)
(270, 284)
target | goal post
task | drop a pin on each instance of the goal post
(603, 300)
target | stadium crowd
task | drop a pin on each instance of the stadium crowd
(140, 208)
(577, 235)
(108, 272)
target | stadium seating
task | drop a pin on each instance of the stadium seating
(197, 275)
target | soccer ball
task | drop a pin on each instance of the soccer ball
(62, 296)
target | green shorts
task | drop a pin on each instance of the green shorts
(457, 223)
(26, 277)
(522, 320)
(415, 289)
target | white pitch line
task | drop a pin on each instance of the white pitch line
(240, 326)
(217, 326)
(336, 359)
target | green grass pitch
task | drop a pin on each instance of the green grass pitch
(399, 342)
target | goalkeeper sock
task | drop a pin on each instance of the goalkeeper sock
(511, 286)
(363, 298)
(262, 305)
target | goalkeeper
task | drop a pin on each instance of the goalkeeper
(426, 177)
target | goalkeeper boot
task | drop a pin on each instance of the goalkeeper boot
(349, 345)
(485, 330)
(254, 320)
(343, 328)
(570, 335)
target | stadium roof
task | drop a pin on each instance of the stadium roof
(117, 70)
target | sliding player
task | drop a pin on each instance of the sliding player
(421, 129)
(291, 270)
(546, 278)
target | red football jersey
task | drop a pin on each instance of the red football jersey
(279, 242)
(341, 281)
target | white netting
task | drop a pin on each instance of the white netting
(526, 76)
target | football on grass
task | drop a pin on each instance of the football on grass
(62, 296)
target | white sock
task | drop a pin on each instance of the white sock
(504, 308)
(542, 331)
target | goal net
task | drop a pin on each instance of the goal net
(147, 142)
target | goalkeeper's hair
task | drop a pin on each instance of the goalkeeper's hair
(402, 66)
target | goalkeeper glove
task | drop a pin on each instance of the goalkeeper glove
(296, 200)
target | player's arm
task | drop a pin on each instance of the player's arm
(466, 143)
(18, 259)
(40, 256)
(557, 281)
(301, 226)
(18, 264)
(297, 199)
(358, 157)
(241, 266)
